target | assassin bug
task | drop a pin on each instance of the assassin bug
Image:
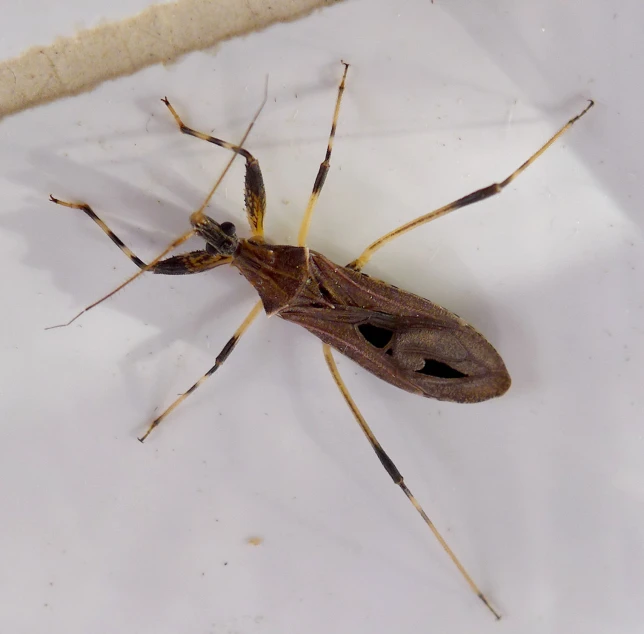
(403, 339)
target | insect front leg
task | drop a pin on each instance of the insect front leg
(176, 263)
(470, 199)
(396, 476)
(221, 357)
(324, 166)
(255, 194)
(184, 264)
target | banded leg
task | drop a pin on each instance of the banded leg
(195, 218)
(221, 357)
(470, 199)
(324, 166)
(184, 264)
(396, 476)
(254, 192)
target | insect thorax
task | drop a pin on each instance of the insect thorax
(277, 272)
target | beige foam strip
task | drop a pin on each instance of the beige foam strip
(160, 34)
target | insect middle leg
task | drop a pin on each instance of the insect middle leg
(254, 193)
(221, 357)
(396, 476)
(324, 166)
(470, 199)
(183, 264)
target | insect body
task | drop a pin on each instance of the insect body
(403, 339)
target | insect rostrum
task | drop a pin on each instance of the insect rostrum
(403, 339)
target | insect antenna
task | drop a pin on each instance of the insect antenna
(195, 216)
(396, 476)
(173, 245)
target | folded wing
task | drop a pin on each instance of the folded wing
(403, 339)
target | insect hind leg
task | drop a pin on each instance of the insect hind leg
(470, 199)
(324, 166)
(396, 476)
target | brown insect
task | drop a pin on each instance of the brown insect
(403, 339)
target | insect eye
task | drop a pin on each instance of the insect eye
(228, 228)
(440, 370)
(376, 336)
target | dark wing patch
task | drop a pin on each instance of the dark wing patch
(440, 370)
(381, 338)
(376, 336)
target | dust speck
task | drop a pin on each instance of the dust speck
(255, 540)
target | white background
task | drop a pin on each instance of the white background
(540, 493)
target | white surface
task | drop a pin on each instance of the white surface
(540, 493)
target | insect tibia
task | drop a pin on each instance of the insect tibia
(389, 465)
